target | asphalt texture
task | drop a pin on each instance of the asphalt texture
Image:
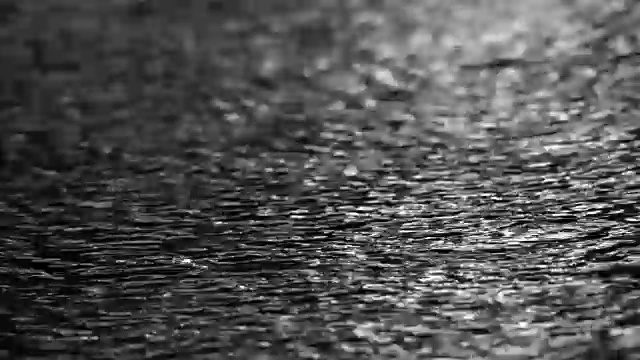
(320, 180)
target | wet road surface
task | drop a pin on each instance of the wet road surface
(352, 238)
(466, 245)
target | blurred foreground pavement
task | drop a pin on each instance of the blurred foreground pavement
(319, 179)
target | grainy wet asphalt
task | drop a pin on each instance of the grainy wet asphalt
(436, 251)
(347, 239)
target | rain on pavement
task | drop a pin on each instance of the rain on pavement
(386, 190)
